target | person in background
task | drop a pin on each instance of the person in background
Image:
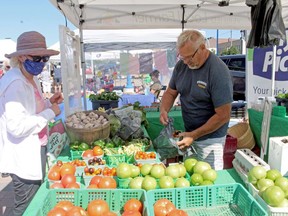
(24, 117)
(156, 85)
(205, 87)
(46, 79)
(6, 67)
(57, 78)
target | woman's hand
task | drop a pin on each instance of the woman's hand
(56, 109)
(56, 98)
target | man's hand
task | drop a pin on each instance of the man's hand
(56, 98)
(164, 118)
(185, 142)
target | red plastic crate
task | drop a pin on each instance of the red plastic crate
(228, 158)
(230, 144)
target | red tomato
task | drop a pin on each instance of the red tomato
(59, 163)
(95, 180)
(107, 182)
(67, 168)
(65, 204)
(131, 213)
(162, 207)
(177, 212)
(133, 205)
(76, 211)
(68, 179)
(87, 154)
(110, 214)
(74, 185)
(54, 173)
(57, 212)
(91, 186)
(97, 151)
(98, 208)
(56, 185)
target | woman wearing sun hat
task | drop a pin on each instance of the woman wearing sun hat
(24, 115)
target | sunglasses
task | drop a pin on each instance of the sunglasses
(39, 58)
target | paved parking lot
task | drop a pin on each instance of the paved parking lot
(6, 196)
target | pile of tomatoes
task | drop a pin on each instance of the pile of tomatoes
(164, 207)
(98, 207)
(102, 182)
(106, 171)
(141, 155)
(78, 163)
(90, 153)
(62, 175)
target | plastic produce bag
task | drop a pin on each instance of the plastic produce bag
(165, 144)
(130, 123)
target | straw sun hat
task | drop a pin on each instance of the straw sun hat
(32, 43)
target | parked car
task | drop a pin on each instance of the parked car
(237, 67)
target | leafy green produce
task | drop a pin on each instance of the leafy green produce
(281, 95)
(118, 141)
(109, 145)
(108, 96)
(115, 124)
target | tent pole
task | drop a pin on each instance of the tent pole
(273, 71)
(83, 65)
(183, 17)
(217, 42)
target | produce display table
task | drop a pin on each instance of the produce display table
(224, 177)
(155, 126)
(278, 125)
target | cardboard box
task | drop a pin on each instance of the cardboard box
(278, 154)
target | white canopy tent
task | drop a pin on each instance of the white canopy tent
(157, 14)
(6, 46)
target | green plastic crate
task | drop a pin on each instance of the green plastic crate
(123, 183)
(56, 195)
(115, 159)
(75, 154)
(228, 200)
(115, 198)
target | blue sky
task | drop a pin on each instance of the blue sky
(18, 16)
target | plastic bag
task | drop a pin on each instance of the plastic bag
(165, 144)
(130, 123)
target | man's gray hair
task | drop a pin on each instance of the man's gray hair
(190, 35)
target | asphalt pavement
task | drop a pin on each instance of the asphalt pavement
(6, 196)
